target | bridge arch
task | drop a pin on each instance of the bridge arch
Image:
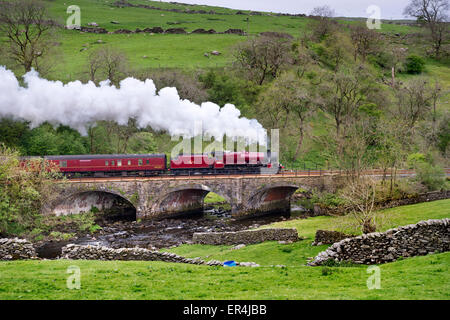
(83, 201)
(270, 198)
(184, 199)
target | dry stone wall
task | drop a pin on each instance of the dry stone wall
(329, 237)
(16, 249)
(420, 198)
(245, 237)
(374, 248)
(78, 252)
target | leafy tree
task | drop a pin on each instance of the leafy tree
(415, 64)
(70, 141)
(142, 142)
(46, 140)
(42, 141)
(12, 132)
(24, 190)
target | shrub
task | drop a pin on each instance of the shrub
(415, 64)
(432, 177)
(415, 158)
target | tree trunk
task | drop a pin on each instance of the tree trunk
(393, 76)
(300, 142)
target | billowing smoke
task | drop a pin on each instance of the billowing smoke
(78, 105)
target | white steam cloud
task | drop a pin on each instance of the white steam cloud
(77, 105)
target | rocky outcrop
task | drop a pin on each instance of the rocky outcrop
(16, 249)
(329, 237)
(235, 31)
(245, 237)
(374, 248)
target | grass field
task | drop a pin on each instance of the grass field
(415, 278)
(163, 51)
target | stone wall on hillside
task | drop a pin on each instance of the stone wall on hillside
(245, 237)
(420, 198)
(374, 248)
(16, 249)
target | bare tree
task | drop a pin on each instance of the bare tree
(323, 24)
(398, 56)
(27, 25)
(343, 94)
(365, 41)
(108, 63)
(360, 195)
(434, 14)
(263, 56)
(289, 98)
(414, 101)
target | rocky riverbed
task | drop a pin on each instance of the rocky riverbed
(154, 235)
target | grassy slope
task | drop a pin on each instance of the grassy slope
(296, 254)
(414, 278)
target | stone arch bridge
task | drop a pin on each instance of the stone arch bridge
(155, 198)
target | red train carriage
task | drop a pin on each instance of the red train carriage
(111, 165)
(147, 165)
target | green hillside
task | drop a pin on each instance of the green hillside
(169, 50)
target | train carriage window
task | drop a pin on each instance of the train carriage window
(106, 163)
(148, 161)
(112, 162)
(140, 162)
(119, 163)
(129, 162)
(63, 164)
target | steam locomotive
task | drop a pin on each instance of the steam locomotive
(149, 165)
